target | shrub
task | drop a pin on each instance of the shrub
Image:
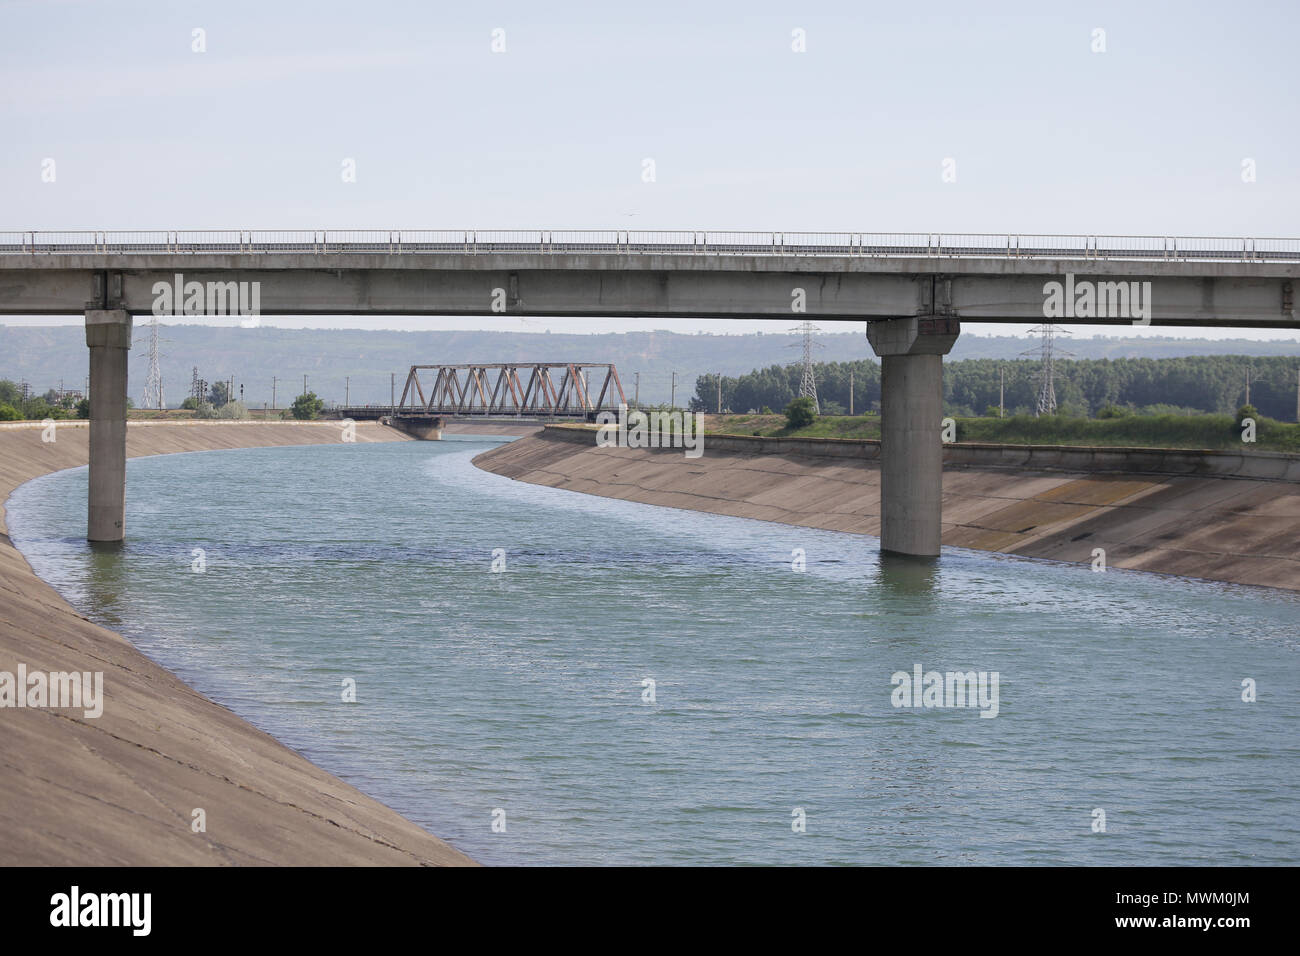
(800, 413)
(36, 409)
(307, 406)
(8, 413)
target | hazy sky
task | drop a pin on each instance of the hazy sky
(1148, 137)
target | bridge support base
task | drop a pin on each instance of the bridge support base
(108, 334)
(911, 412)
(423, 428)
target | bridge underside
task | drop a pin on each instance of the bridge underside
(913, 307)
(1180, 293)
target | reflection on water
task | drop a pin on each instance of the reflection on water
(912, 580)
(104, 582)
(526, 689)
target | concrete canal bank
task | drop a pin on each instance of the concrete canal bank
(122, 788)
(1225, 516)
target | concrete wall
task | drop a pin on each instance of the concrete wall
(1196, 524)
(1266, 465)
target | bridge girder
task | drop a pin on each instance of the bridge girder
(1182, 293)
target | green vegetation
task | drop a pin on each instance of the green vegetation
(1206, 384)
(800, 413)
(307, 406)
(10, 393)
(13, 408)
(230, 410)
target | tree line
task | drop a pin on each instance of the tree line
(1084, 387)
(13, 407)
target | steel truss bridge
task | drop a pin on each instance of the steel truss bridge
(527, 389)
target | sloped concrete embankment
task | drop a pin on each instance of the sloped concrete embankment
(120, 789)
(1226, 516)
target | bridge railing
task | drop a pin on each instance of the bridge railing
(649, 242)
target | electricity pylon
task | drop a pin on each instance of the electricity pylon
(808, 381)
(1047, 354)
(153, 390)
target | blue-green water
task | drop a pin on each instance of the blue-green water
(523, 690)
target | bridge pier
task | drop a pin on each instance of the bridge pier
(422, 427)
(108, 335)
(911, 354)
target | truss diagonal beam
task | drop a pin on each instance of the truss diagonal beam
(474, 389)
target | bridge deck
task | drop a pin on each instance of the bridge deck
(618, 242)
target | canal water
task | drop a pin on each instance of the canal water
(645, 685)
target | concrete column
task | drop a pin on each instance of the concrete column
(108, 334)
(911, 448)
(424, 427)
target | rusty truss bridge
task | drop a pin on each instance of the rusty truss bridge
(533, 389)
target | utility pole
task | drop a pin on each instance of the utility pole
(1247, 384)
(850, 392)
(304, 384)
(719, 393)
(1002, 390)
(347, 390)
(272, 393)
(672, 401)
(1297, 395)
(392, 393)
(637, 400)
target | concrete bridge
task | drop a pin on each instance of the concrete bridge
(913, 290)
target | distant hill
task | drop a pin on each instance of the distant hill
(44, 355)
